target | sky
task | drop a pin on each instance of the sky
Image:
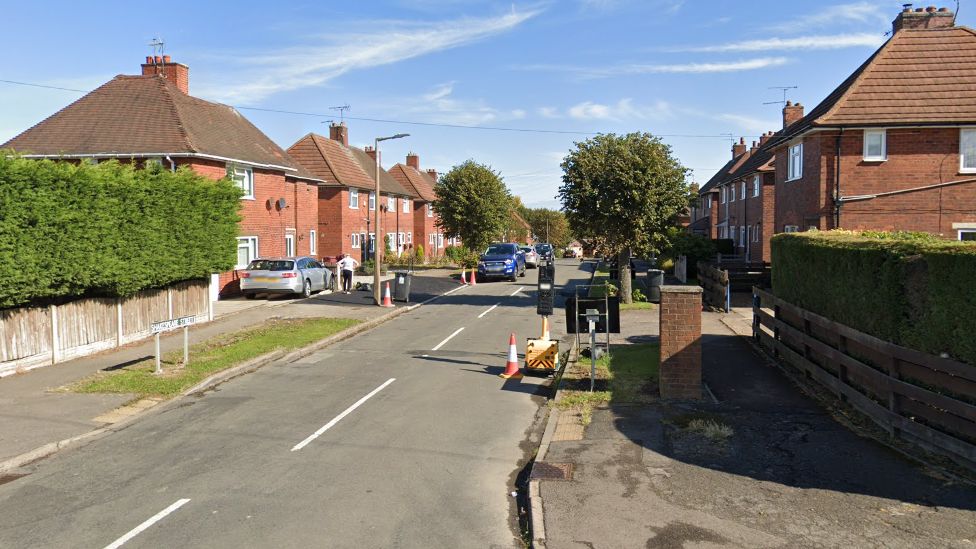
(697, 73)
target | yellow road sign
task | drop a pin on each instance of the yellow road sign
(541, 354)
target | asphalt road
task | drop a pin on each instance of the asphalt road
(380, 441)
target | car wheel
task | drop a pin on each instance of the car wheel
(307, 288)
(250, 295)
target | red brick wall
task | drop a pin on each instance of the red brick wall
(680, 353)
(800, 202)
(423, 227)
(766, 229)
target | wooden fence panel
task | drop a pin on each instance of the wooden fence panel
(24, 333)
(190, 298)
(87, 321)
(142, 309)
(926, 399)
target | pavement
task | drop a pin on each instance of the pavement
(36, 412)
(788, 474)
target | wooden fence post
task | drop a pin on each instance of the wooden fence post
(55, 339)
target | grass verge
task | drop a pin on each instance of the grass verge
(628, 374)
(637, 306)
(211, 356)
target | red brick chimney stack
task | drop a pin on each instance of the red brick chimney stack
(432, 173)
(339, 132)
(764, 138)
(177, 73)
(413, 161)
(923, 18)
(791, 113)
(739, 148)
(370, 151)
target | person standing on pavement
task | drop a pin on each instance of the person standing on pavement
(346, 266)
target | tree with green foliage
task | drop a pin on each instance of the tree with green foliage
(72, 230)
(473, 203)
(550, 226)
(625, 190)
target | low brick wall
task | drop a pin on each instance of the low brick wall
(680, 321)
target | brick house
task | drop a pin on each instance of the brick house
(421, 183)
(346, 198)
(709, 217)
(152, 118)
(747, 202)
(894, 146)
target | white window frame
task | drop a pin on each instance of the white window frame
(732, 192)
(290, 243)
(406, 205)
(794, 162)
(432, 239)
(755, 233)
(967, 136)
(354, 199)
(440, 240)
(743, 190)
(708, 202)
(743, 237)
(756, 185)
(313, 242)
(791, 228)
(251, 244)
(356, 241)
(961, 232)
(724, 197)
(430, 209)
(884, 145)
(391, 203)
(372, 201)
(244, 178)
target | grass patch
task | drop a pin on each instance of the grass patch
(636, 306)
(627, 375)
(711, 429)
(211, 356)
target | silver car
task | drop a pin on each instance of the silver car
(531, 257)
(284, 275)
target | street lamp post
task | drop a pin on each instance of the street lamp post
(377, 254)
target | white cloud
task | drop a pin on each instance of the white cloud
(440, 92)
(677, 68)
(548, 112)
(749, 123)
(625, 109)
(832, 16)
(390, 42)
(816, 42)
(440, 106)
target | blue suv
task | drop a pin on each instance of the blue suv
(502, 261)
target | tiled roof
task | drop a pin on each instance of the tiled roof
(725, 173)
(148, 115)
(339, 165)
(919, 76)
(761, 160)
(415, 181)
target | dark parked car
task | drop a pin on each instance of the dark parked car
(284, 275)
(502, 260)
(544, 251)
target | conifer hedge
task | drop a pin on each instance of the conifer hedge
(912, 289)
(71, 230)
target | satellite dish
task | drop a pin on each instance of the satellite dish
(268, 204)
(281, 204)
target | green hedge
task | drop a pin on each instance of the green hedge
(912, 289)
(71, 230)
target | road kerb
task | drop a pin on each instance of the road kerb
(251, 365)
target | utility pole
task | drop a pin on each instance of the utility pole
(377, 254)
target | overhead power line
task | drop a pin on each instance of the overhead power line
(405, 122)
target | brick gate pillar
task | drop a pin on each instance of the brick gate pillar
(680, 323)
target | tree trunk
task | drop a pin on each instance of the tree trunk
(623, 262)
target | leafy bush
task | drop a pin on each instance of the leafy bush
(695, 247)
(419, 253)
(637, 295)
(908, 288)
(77, 229)
(724, 246)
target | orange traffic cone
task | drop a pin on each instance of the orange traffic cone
(512, 367)
(473, 281)
(463, 281)
(387, 300)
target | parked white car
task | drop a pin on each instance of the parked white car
(531, 257)
(284, 275)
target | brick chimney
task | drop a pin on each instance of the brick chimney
(764, 138)
(177, 73)
(432, 173)
(413, 161)
(922, 18)
(791, 113)
(339, 132)
(370, 151)
(739, 148)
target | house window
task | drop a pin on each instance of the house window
(723, 195)
(247, 251)
(755, 233)
(391, 203)
(356, 240)
(313, 243)
(430, 210)
(431, 239)
(372, 201)
(742, 236)
(875, 145)
(743, 193)
(354, 199)
(795, 162)
(708, 202)
(409, 238)
(244, 178)
(791, 229)
(756, 185)
(967, 234)
(290, 245)
(406, 205)
(967, 150)
(732, 192)
(440, 240)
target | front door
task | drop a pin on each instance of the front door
(290, 245)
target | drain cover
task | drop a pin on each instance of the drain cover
(542, 470)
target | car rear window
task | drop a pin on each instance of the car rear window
(269, 265)
(500, 249)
